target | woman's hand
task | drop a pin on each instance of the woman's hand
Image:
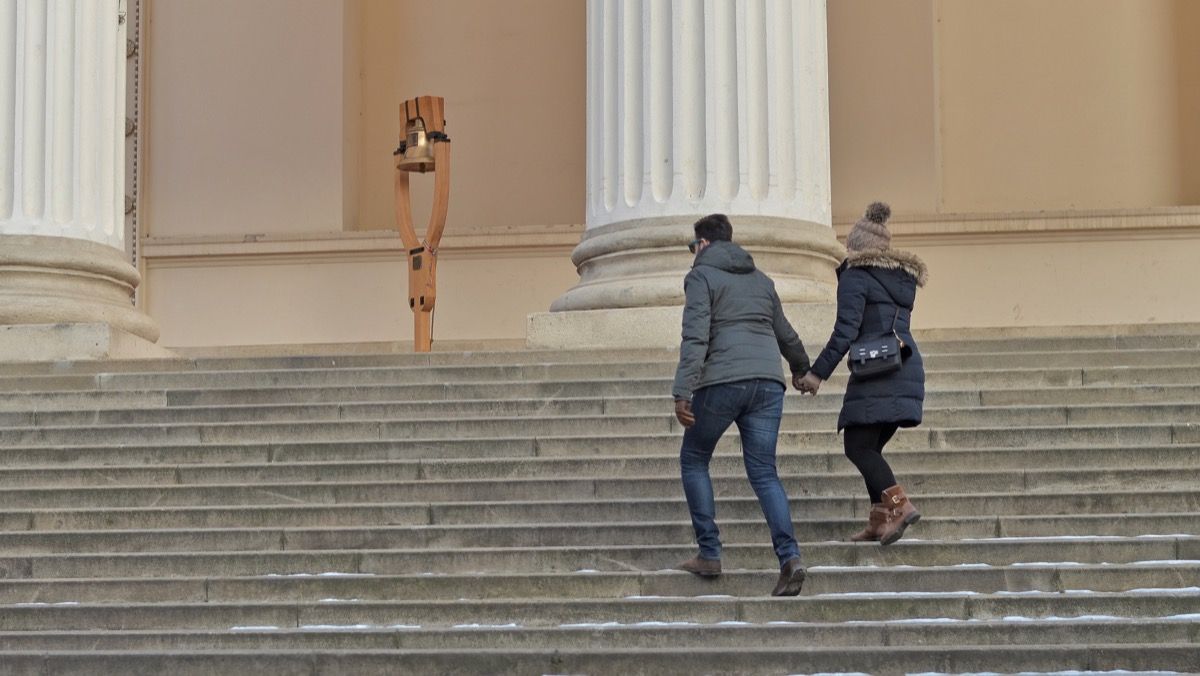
(808, 383)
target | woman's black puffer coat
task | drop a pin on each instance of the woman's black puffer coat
(865, 308)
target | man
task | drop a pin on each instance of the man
(729, 372)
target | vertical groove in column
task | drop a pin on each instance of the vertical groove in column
(60, 183)
(812, 153)
(782, 96)
(610, 134)
(660, 87)
(116, 53)
(690, 119)
(758, 138)
(724, 98)
(33, 113)
(595, 104)
(632, 136)
(111, 126)
(87, 113)
(8, 106)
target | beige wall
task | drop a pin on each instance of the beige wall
(882, 106)
(278, 118)
(1063, 105)
(253, 299)
(969, 106)
(513, 76)
(1057, 282)
(1186, 64)
(245, 113)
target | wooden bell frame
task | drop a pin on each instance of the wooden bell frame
(422, 253)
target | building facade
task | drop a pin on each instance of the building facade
(1043, 158)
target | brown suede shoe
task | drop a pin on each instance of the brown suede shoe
(901, 515)
(876, 520)
(702, 567)
(791, 578)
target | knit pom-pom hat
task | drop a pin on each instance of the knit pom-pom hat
(870, 233)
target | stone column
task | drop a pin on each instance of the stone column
(696, 107)
(66, 285)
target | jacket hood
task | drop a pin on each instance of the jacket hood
(890, 259)
(726, 256)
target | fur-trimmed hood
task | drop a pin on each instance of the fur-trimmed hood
(890, 259)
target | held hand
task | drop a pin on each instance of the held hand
(809, 383)
(683, 413)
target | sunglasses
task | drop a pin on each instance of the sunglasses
(693, 244)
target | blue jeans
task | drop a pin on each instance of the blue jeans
(756, 407)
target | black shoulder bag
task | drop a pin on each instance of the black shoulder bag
(878, 355)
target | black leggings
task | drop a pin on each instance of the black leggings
(864, 447)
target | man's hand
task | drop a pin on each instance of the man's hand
(808, 383)
(683, 413)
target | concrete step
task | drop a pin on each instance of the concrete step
(993, 551)
(1182, 340)
(636, 387)
(1045, 578)
(335, 430)
(416, 399)
(469, 536)
(937, 378)
(802, 414)
(938, 342)
(548, 612)
(217, 471)
(919, 485)
(400, 410)
(1026, 632)
(1138, 658)
(1091, 395)
(605, 360)
(1011, 504)
(836, 507)
(1128, 403)
(462, 492)
(942, 355)
(288, 363)
(1134, 358)
(559, 435)
(1093, 448)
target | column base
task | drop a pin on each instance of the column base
(63, 280)
(642, 263)
(74, 342)
(660, 327)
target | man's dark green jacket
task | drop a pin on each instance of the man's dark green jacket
(733, 324)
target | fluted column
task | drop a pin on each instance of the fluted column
(696, 107)
(62, 166)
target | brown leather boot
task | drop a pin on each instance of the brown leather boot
(702, 567)
(875, 522)
(901, 515)
(791, 578)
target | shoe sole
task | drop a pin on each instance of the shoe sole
(908, 521)
(794, 583)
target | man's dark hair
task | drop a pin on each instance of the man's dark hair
(714, 228)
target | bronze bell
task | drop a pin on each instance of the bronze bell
(418, 151)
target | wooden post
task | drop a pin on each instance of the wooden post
(433, 156)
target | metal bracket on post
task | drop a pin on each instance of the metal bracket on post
(424, 147)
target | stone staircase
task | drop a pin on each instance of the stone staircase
(520, 512)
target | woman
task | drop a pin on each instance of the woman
(876, 287)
